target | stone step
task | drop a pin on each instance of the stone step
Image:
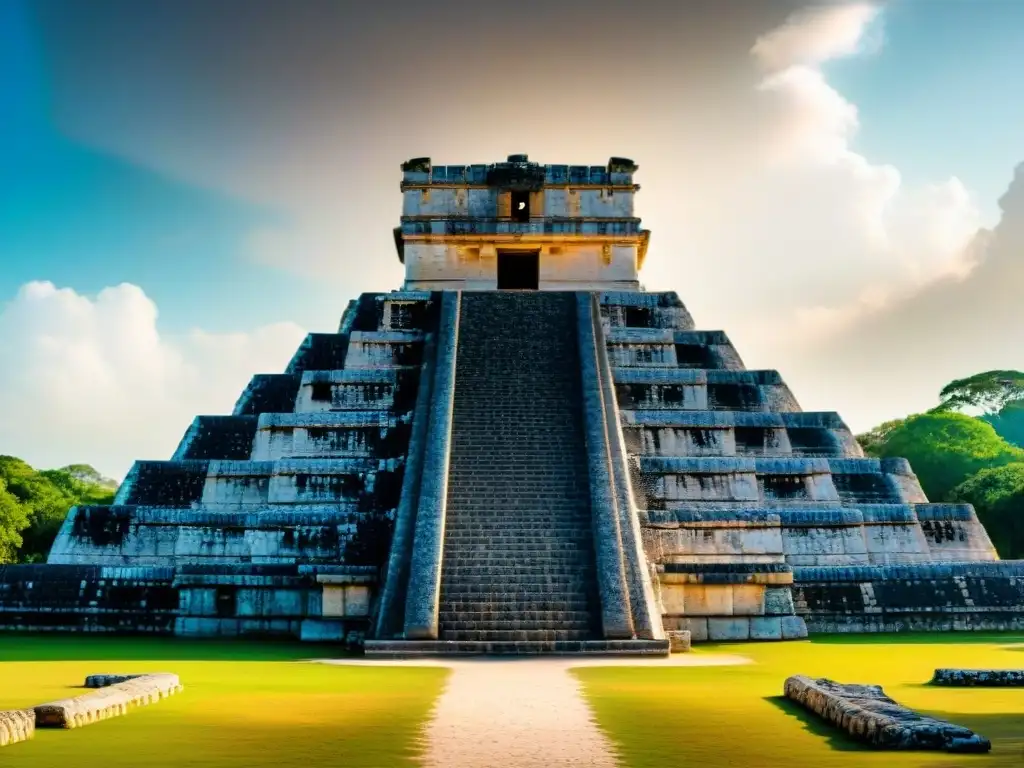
(555, 547)
(566, 582)
(506, 541)
(489, 593)
(462, 569)
(504, 605)
(398, 649)
(512, 624)
(502, 567)
(510, 527)
(485, 615)
(510, 635)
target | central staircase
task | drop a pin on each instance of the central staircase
(518, 570)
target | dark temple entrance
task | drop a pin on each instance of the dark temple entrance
(519, 270)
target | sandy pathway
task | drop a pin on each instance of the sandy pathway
(514, 714)
(521, 713)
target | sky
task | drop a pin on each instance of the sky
(188, 186)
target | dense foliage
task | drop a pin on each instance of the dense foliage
(33, 504)
(998, 496)
(945, 449)
(976, 459)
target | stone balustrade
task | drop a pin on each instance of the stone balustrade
(868, 715)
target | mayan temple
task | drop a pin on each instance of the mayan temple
(520, 451)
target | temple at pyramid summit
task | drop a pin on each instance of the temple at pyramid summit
(519, 451)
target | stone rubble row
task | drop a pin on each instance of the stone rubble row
(989, 678)
(111, 696)
(868, 715)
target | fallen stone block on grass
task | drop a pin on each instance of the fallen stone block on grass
(16, 725)
(109, 700)
(982, 678)
(867, 714)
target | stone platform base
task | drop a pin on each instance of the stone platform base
(406, 649)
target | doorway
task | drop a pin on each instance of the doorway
(518, 270)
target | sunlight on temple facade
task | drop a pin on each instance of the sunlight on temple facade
(520, 451)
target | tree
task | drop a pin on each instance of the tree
(991, 392)
(88, 474)
(872, 442)
(1008, 422)
(945, 448)
(45, 498)
(13, 520)
(998, 497)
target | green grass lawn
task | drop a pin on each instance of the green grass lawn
(721, 716)
(244, 704)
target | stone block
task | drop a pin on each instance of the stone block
(698, 629)
(793, 628)
(778, 601)
(321, 631)
(867, 714)
(728, 629)
(673, 599)
(16, 725)
(707, 600)
(766, 628)
(678, 641)
(748, 599)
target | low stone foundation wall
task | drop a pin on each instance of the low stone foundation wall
(17, 725)
(111, 700)
(72, 598)
(982, 678)
(938, 597)
(867, 714)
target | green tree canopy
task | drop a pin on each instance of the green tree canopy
(998, 497)
(990, 392)
(873, 442)
(44, 499)
(13, 520)
(1008, 422)
(944, 448)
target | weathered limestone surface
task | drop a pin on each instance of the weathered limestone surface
(113, 695)
(728, 470)
(16, 725)
(68, 598)
(981, 678)
(867, 714)
(678, 640)
(579, 220)
(941, 597)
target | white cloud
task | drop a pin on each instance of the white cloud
(836, 234)
(93, 380)
(816, 35)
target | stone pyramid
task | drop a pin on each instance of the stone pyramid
(521, 451)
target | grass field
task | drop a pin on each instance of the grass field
(735, 716)
(244, 704)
